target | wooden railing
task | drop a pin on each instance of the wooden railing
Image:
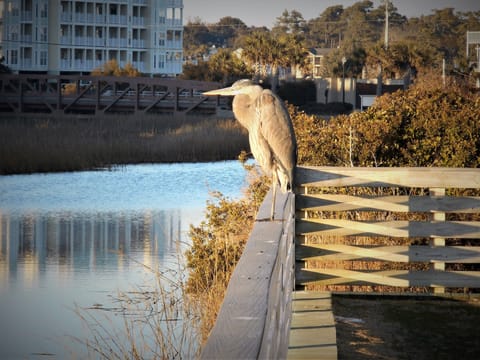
(388, 229)
(75, 94)
(254, 320)
(380, 229)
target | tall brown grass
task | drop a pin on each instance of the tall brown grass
(47, 144)
(159, 321)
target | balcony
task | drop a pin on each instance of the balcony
(26, 39)
(100, 19)
(139, 65)
(80, 18)
(65, 40)
(136, 43)
(26, 16)
(80, 41)
(66, 17)
(170, 44)
(174, 3)
(99, 42)
(173, 22)
(138, 21)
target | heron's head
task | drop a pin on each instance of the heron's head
(243, 86)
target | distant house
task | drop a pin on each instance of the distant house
(317, 59)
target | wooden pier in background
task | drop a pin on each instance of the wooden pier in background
(355, 230)
(96, 95)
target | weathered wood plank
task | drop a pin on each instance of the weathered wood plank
(401, 228)
(312, 334)
(401, 278)
(338, 202)
(280, 292)
(405, 254)
(420, 177)
(247, 312)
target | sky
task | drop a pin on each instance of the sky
(265, 12)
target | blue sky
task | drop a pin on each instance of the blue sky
(264, 13)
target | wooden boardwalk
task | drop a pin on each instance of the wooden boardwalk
(422, 228)
(312, 331)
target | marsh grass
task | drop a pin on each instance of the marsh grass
(158, 321)
(47, 144)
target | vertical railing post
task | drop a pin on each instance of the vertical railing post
(301, 240)
(438, 241)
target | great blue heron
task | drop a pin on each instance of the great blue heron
(270, 131)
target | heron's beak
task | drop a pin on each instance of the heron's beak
(228, 91)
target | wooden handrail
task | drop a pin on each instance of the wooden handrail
(254, 320)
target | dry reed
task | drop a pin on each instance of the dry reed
(46, 144)
(160, 321)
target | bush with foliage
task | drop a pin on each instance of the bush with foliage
(427, 125)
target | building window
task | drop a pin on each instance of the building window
(43, 34)
(43, 58)
(162, 14)
(13, 34)
(13, 8)
(43, 11)
(14, 57)
(161, 39)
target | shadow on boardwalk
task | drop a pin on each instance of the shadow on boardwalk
(405, 328)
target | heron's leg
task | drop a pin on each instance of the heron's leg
(274, 194)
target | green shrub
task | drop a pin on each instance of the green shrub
(423, 126)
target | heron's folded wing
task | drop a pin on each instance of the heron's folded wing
(276, 127)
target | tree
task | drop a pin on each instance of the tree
(254, 51)
(290, 23)
(295, 53)
(323, 31)
(196, 39)
(227, 30)
(266, 53)
(226, 67)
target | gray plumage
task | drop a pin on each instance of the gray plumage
(270, 131)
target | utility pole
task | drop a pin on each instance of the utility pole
(386, 24)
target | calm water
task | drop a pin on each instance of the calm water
(77, 239)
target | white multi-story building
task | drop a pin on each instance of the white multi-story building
(73, 36)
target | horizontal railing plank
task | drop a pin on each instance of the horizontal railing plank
(418, 177)
(400, 278)
(404, 254)
(400, 228)
(338, 202)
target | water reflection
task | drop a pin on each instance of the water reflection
(80, 238)
(52, 262)
(84, 242)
